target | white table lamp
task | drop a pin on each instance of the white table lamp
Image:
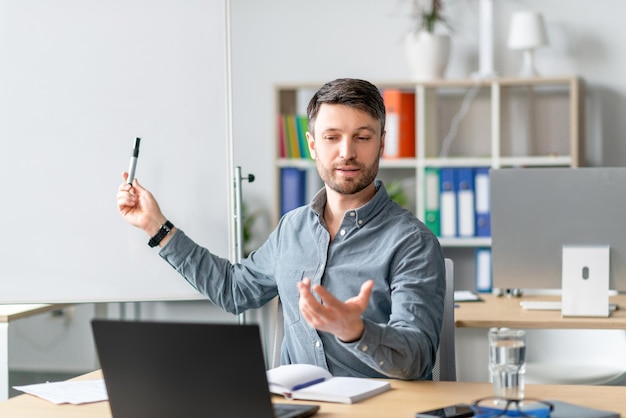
(527, 32)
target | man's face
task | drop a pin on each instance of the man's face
(347, 146)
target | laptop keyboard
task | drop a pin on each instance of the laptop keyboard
(550, 305)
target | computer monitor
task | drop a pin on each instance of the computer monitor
(537, 211)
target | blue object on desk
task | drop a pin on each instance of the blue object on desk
(307, 384)
(537, 411)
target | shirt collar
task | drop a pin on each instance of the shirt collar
(363, 213)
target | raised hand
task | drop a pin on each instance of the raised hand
(139, 207)
(342, 319)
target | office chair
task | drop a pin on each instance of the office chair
(279, 333)
(445, 363)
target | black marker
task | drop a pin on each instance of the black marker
(133, 162)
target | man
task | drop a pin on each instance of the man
(361, 280)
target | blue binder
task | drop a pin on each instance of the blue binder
(292, 189)
(483, 211)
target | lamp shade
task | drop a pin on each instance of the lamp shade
(527, 30)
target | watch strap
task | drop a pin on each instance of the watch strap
(165, 229)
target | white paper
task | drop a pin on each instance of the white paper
(73, 392)
(284, 379)
(465, 296)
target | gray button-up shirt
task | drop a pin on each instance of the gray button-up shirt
(379, 241)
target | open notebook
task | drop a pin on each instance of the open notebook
(173, 369)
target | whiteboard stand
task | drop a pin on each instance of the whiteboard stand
(238, 222)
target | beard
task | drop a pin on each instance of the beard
(348, 185)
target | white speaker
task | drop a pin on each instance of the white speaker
(585, 281)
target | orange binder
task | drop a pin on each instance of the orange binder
(400, 125)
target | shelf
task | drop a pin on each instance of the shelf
(413, 163)
(502, 81)
(465, 242)
(547, 161)
(398, 163)
(457, 162)
(384, 163)
(295, 162)
(503, 123)
(563, 80)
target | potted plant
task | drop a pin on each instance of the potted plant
(428, 47)
(248, 220)
(396, 193)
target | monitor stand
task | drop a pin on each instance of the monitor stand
(585, 281)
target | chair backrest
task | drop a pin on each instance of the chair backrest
(279, 333)
(445, 363)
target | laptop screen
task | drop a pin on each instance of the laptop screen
(173, 369)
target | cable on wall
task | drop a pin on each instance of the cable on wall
(458, 117)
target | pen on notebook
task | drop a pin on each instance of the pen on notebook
(133, 162)
(307, 384)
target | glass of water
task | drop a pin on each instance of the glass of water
(507, 362)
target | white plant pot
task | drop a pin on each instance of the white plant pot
(427, 55)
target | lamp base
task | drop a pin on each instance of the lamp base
(528, 64)
(483, 75)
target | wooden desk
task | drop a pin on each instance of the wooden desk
(403, 400)
(9, 313)
(473, 319)
(506, 311)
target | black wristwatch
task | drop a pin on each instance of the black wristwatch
(166, 228)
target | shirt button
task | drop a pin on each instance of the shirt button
(353, 214)
(343, 232)
(381, 363)
(360, 221)
(317, 344)
(364, 348)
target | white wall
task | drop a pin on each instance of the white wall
(282, 41)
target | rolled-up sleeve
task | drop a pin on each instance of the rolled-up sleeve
(234, 287)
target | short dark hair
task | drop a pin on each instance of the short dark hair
(359, 94)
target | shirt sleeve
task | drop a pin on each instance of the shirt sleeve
(405, 347)
(234, 287)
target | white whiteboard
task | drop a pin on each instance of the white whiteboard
(79, 80)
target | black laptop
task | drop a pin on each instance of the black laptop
(173, 369)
